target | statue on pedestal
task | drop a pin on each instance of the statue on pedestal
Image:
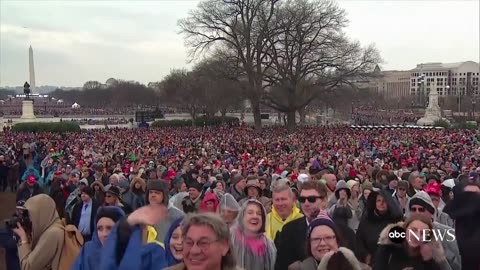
(27, 103)
(433, 112)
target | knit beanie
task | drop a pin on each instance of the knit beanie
(196, 185)
(112, 212)
(322, 219)
(367, 185)
(422, 203)
(237, 178)
(351, 183)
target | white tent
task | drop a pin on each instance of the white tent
(75, 106)
(60, 101)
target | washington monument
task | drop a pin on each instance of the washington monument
(31, 68)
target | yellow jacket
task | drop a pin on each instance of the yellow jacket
(275, 222)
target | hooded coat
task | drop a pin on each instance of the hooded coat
(90, 254)
(275, 222)
(47, 237)
(125, 250)
(252, 252)
(452, 252)
(372, 224)
(465, 209)
(168, 252)
(209, 196)
(395, 257)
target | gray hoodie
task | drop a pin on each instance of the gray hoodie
(451, 247)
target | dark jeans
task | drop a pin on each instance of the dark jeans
(11, 252)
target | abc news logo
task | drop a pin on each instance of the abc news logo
(398, 235)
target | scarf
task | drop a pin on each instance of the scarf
(255, 244)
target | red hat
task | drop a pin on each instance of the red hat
(31, 180)
(58, 173)
(433, 189)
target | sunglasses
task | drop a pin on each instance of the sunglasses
(310, 199)
(417, 209)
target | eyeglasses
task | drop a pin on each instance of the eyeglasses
(203, 244)
(328, 239)
(417, 209)
(310, 199)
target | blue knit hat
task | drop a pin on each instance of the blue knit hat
(321, 219)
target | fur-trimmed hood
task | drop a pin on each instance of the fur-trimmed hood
(97, 182)
(138, 180)
(437, 248)
(347, 253)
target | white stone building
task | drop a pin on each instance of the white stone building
(450, 79)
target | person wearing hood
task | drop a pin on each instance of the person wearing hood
(252, 249)
(433, 190)
(157, 194)
(411, 252)
(128, 196)
(380, 211)
(465, 210)
(42, 238)
(132, 242)
(138, 187)
(367, 188)
(99, 190)
(174, 243)
(90, 254)
(254, 191)
(228, 209)
(422, 204)
(342, 210)
(209, 203)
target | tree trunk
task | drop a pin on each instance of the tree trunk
(291, 121)
(279, 118)
(193, 114)
(285, 119)
(256, 114)
(303, 116)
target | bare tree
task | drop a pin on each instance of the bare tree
(241, 25)
(309, 54)
(181, 88)
(92, 85)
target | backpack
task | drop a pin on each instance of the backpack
(73, 242)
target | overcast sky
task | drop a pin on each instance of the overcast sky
(77, 41)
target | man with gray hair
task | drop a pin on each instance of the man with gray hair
(416, 181)
(284, 208)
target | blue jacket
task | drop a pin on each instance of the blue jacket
(170, 259)
(137, 255)
(91, 252)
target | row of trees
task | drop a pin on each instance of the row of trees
(112, 93)
(287, 53)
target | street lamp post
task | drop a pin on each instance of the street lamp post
(421, 89)
(474, 102)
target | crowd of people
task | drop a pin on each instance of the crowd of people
(367, 115)
(236, 198)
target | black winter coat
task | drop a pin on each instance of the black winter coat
(291, 244)
(465, 210)
(372, 224)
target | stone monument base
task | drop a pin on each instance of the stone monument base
(27, 110)
(429, 121)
